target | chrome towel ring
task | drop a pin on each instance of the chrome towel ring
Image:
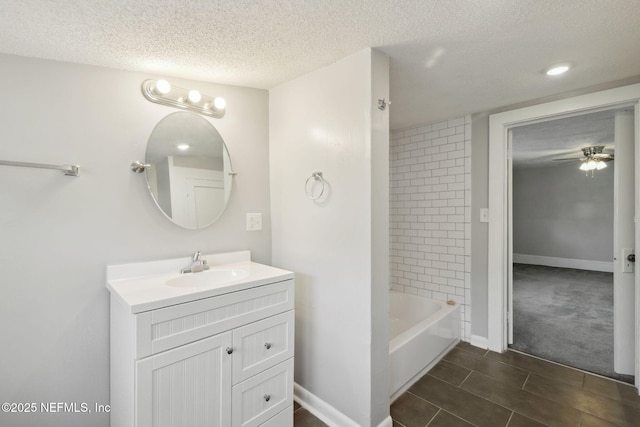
(308, 189)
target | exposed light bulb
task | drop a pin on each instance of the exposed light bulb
(194, 96)
(219, 103)
(162, 87)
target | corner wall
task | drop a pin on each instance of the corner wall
(58, 232)
(430, 213)
(328, 121)
(479, 230)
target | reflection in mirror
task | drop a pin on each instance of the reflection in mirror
(190, 173)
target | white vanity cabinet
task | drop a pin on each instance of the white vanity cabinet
(219, 361)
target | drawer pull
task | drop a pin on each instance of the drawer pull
(267, 397)
(229, 350)
(267, 345)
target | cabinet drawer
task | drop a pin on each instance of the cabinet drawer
(261, 345)
(263, 396)
(283, 419)
(171, 327)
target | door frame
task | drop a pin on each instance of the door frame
(499, 201)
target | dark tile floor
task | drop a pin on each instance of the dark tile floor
(475, 387)
(304, 418)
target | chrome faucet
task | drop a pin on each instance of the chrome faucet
(197, 265)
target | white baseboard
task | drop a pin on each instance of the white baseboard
(579, 264)
(387, 422)
(478, 341)
(325, 412)
(321, 409)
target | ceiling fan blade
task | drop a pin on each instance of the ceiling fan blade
(572, 158)
(604, 156)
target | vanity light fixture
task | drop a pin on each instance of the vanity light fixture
(163, 92)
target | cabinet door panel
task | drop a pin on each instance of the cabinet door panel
(261, 345)
(186, 387)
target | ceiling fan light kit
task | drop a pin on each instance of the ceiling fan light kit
(594, 159)
(592, 165)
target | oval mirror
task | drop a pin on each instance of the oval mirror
(190, 170)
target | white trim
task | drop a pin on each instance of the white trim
(325, 412)
(499, 126)
(578, 264)
(480, 342)
(636, 132)
(387, 422)
(321, 409)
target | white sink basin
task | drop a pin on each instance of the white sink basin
(152, 285)
(208, 278)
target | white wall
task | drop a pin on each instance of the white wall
(380, 271)
(560, 212)
(430, 213)
(479, 230)
(328, 121)
(58, 233)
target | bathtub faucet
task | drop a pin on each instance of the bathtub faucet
(197, 264)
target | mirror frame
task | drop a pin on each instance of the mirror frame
(150, 170)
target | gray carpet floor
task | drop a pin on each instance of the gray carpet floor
(566, 316)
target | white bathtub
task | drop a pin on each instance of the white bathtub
(421, 331)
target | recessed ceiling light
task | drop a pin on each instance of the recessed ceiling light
(556, 70)
(183, 147)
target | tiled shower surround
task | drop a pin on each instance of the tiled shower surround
(430, 212)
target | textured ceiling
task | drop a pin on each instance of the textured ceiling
(536, 145)
(448, 57)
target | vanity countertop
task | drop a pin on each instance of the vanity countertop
(142, 286)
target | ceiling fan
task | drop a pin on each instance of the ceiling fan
(594, 158)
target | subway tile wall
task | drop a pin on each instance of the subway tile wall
(431, 213)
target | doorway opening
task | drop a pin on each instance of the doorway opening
(499, 234)
(562, 202)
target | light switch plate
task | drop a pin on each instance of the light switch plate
(484, 215)
(254, 221)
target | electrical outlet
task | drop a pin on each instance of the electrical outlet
(254, 221)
